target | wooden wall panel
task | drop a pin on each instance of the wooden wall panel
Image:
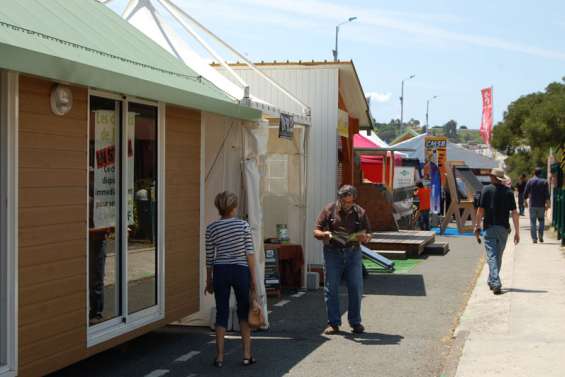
(52, 229)
(183, 212)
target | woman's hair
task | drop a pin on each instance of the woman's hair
(225, 202)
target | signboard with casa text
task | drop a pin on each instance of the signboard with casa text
(436, 153)
(403, 177)
(105, 193)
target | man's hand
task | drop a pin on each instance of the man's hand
(516, 238)
(478, 234)
(363, 237)
(323, 235)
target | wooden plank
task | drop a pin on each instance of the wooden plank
(43, 216)
(65, 126)
(53, 363)
(32, 158)
(32, 276)
(52, 234)
(52, 326)
(43, 311)
(52, 346)
(51, 253)
(31, 177)
(32, 197)
(45, 141)
(53, 289)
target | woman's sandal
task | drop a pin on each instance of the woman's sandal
(248, 362)
(218, 363)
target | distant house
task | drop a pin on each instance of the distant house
(101, 161)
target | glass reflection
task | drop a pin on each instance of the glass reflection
(142, 207)
(103, 251)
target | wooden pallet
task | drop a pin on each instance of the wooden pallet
(438, 248)
(412, 242)
(393, 254)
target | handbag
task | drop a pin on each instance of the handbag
(256, 317)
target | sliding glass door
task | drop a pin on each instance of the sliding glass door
(8, 222)
(124, 256)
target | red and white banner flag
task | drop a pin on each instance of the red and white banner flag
(486, 122)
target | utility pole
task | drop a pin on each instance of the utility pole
(335, 52)
(402, 101)
(428, 112)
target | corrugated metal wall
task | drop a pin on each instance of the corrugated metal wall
(318, 88)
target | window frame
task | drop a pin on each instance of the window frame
(126, 322)
(9, 127)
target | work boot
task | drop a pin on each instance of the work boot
(358, 329)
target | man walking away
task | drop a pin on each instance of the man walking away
(521, 187)
(342, 226)
(537, 196)
(497, 202)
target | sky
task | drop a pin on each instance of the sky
(454, 48)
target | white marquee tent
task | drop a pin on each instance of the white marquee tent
(235, 154)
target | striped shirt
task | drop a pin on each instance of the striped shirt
(228, 241)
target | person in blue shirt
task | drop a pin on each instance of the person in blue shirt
(536, 195)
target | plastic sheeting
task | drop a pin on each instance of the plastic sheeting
(231, 151)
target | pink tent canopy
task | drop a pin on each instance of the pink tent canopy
(372, 166)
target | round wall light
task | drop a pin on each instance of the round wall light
(61, 99)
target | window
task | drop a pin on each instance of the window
(125, 255)
(8, 222)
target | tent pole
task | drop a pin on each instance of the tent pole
(178, 14)
(171, 7)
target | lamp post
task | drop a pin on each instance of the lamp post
(350, 19)
(428, 112)
(402, 101)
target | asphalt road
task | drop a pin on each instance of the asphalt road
(409, 320)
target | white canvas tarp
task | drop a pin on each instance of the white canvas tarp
(231, 149)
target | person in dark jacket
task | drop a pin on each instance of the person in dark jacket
(521, 187)
(536, 194)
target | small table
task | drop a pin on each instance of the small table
(291, 264)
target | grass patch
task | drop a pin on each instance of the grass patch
(403, 265)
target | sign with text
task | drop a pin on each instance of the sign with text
(104, 193)
(403, 177)
(286, 126)
(436, 153)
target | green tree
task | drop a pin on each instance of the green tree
(531, 126)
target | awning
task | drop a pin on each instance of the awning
(57, 39)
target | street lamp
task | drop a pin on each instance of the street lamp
(428, 112)
(402, 101)
(350, 19)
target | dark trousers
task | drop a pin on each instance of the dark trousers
(96, 271)
(521, 201)
(226, 277)
(425, 220)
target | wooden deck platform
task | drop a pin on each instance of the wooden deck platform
(413, 242)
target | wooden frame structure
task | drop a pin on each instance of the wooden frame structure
(463, 210)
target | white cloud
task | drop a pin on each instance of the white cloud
(379, 97)
(372, 17)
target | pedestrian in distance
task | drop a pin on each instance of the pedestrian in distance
(537, 198)
(423, 193)
(496, 206)
(521, 188)
(342, 226)
(230, 263)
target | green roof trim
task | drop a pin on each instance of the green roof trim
(53, 40)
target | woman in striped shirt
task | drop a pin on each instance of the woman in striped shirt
(230, 263)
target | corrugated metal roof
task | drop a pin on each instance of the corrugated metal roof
(84, 42)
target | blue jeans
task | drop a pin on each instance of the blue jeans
(341, 261)
(537, 214)
(495, 242)
(425, 220)
(226, 277)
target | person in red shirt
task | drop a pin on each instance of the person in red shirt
(423, 193)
